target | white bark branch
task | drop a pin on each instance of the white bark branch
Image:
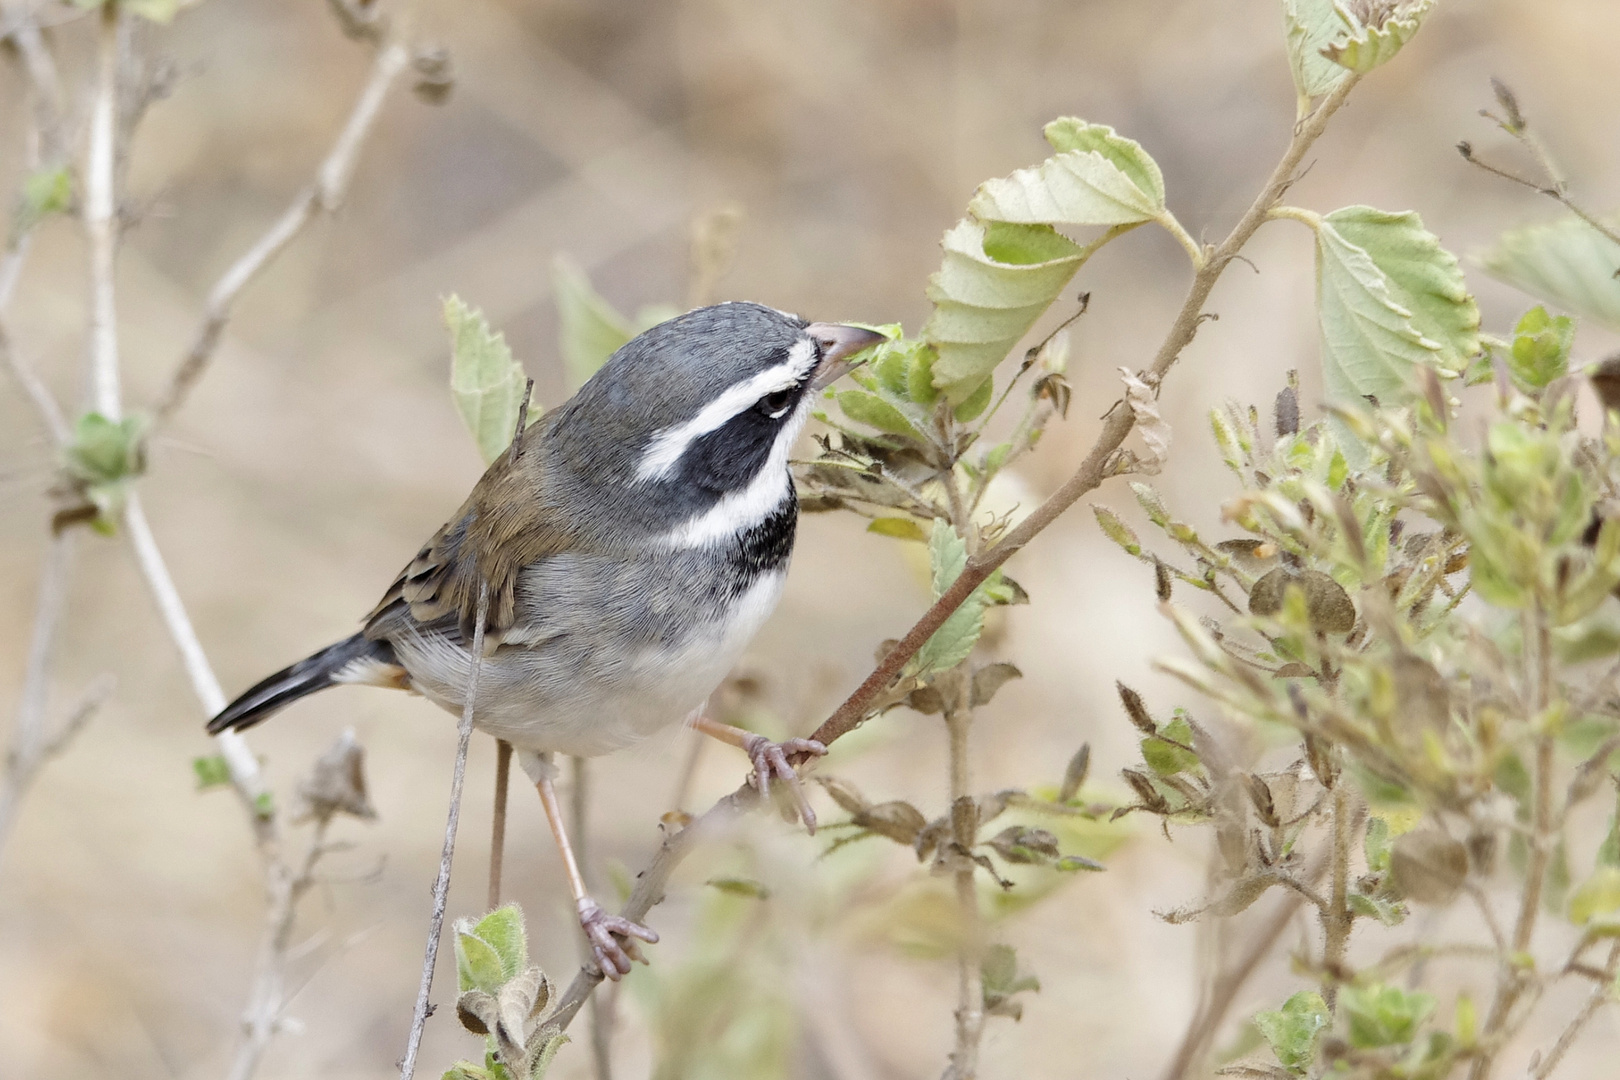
(101, 220)
(326, 194)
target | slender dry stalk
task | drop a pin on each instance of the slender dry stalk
(964, 1057)
(101, 224)
(578, 828)
(324, 195)
(1602, 994)
(441, 885)
(269, 996)
(1099, 461)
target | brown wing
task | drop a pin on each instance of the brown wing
(505, 525)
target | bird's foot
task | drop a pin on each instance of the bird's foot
(613, 939)
(771, 760)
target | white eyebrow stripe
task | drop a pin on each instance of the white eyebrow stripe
(668, 445)
(749, 506)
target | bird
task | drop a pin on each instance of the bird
(627, 549)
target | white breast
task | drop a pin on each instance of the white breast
(525, 699)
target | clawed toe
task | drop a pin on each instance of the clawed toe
(613, 939)
(771, 759)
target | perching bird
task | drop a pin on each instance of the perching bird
(631, 547)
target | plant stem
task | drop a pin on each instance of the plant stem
(1602, 994)
(441, 884)
(1512, 979)
(579, 829)
(1118, 424)
(1337, 918)
(101, 218)
(964, 1058)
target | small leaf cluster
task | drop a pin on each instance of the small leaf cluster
(98, 464)
(503, 998)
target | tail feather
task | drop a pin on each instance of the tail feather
(310, 674)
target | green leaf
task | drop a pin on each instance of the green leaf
(975, 403)
(1366, 47)
(1377, 844)
(1116, 530)
(1564, 262)
(492, 950)
(954, 640)
(1541, 346)
(211, 772)
(1294, 1030)
(901, 528)
(1162, 754)
(589, 328)
(995, 280)
(44, 192)
(1597, 895)
(1422, 277)
(1371, 342)
(1097, 178)
(1384, 1015)
(485, 381)
(873, 411)
(737, 886)
(466, 1070)
(158, 11)
(1313, 25)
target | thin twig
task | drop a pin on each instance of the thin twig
(1337, 918)
(1602, 994)
(28, 732)
(240, 760)
(101, 219)
(579, 829)
(269, 998)
(964, 1057)
(441, 885)
(326, 194)
(497, 831)
(38, 394)
(1119, 422)
(43, 78)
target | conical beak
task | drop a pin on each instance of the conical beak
(838, 344)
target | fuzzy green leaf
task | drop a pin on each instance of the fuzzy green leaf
(874, 412)
(1371, 340)
(492, 950)
(1116, 530)
(1162, 754)
(1422, 277)
(45, 192)
(1366, 47)
(1294, 1030)
(589, 328)
(1597, 895)
(485, 381)
(995, 280)
(1097, 178)
(1313, 25)
(1565, 262)
(1541, 346)
(211, 772)
(1384, 1015)
(901, 528)
(954, 640)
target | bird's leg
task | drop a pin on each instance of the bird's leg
(612, 939)
(770, 759)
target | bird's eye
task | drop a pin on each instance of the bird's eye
(777, 402)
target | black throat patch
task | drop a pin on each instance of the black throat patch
(766, 546)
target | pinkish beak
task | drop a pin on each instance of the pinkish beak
(839, 343)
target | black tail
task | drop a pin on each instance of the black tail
(310, 674)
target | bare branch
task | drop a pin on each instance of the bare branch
(40, 65)
(441, 886)
(239, 759)
(1602, 994)
(39, 395)
(325, 194)
(1120, 421)
(101, 219)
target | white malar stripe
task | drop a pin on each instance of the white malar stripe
(738, 511)
(666, 448)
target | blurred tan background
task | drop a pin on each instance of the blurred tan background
(323, 447)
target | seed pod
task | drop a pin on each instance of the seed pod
(1286, 412)
(1327, 605)
(897, 820)
(1428, 866)
(1260, 796)
(1161, 581)
(1136, 710)
(1017, 844)
(1075, 775)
